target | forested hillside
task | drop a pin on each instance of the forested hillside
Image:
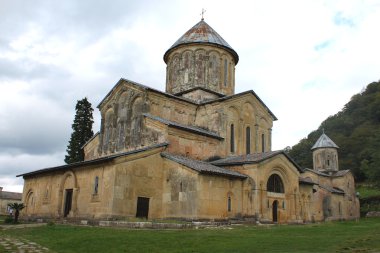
(356, 130)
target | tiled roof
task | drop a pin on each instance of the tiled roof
(338, 173)
(332, 189)
(94, 161)
(324, 142)
(202, 33)
(253, 158)
(10, 195)
(201, 166)
(193, 129)
(306, 181)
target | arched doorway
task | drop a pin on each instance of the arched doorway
(67, 199)
(275, 210)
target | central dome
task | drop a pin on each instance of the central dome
(201, 60)
(202, 33)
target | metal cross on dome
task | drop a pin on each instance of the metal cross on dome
(203, 12)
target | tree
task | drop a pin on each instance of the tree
(16, 207)
(82, 131)
(356, 130)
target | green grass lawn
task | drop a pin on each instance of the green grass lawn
(351, 236)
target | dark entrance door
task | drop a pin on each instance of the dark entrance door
(142, 207)
(68, 201)
(274, 210)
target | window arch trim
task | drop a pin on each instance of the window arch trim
(275, 184)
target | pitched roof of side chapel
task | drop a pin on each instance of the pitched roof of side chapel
(254, 158)
(202, 166)
(94, 161)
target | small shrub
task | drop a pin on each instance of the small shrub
(50, 223)
(8, 220)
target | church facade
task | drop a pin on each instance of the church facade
(196, 151)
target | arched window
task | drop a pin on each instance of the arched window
(96, 185)
(248, 140)
(232, 138)
(275, 184)
(229, 204)
(225, 72)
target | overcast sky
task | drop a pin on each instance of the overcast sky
(305, 59)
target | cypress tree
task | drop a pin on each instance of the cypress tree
(82, 131)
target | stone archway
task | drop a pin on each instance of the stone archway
(68, 191)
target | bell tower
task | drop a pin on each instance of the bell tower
(325, 155)
(201, 61)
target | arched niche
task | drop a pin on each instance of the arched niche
(138, 108)
(30, 202)
(199, 67)
(109, 125)
(122, 117)
(214, 72)
(174, 73)
(187, 65)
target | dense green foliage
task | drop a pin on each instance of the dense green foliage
(369, 197)
(356, 130)
(82, 131)
(349, 236)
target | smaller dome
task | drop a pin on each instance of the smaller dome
(324, 142)
(202, 33)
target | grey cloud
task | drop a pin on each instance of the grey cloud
(12, 165)
(28, 70)
(34, 129)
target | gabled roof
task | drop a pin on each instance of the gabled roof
(254, 158)
(144, 87)
(183, 99)
(92, 162)
(238, 95)
(192, 129)
(199, 88)
(10, 195)
(201, 166)
(324, 142)
(308, 181)
(202, 33)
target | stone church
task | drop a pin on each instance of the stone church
(197, 151)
